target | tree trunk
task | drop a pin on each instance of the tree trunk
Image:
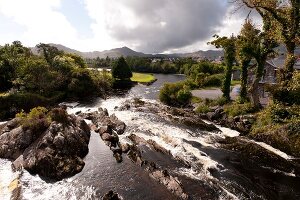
(227, 82)
(289, 62)
(244, 80)
(254, 90)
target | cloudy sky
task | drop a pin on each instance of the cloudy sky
(151, 26)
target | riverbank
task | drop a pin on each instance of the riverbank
(143, 78)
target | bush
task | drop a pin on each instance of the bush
(175, 94)
(236, 109)
(288, 94)
(36, 120)
(59, 115)
(202, 108)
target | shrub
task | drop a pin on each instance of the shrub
(175, 94)
(36, 120)
(236, 109)
(202, 108)
(59, 115)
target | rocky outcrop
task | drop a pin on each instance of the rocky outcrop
(242, 123)
(108, 127)
(111, 195)
(53, 153)
(178, 116)
(250, 150)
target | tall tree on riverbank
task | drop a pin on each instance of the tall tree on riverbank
(284, 22)
(121, 70)
(259, 45)
(244, 46)
(228, 45)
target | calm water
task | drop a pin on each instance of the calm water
(213, 170)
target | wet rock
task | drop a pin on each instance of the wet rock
(216, 115)
(172, 183)
(78, 112)
(261, 156)
(125, 147)
(158, 148)
(54, 153)
(111, 195)
(118, 157)
(137, 140)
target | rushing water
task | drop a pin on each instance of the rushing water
(213, 170)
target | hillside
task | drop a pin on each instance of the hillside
(125, 51)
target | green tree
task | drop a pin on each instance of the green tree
(244, 46)
(48, 52)
(284, 24)
(228, 45)
(12, 57)
(121, 70)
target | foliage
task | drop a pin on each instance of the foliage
(36, 120)
(202, 108)
(228, 44)
(236, 109)
(175, 94)
(142, 78)
(284, 23)
(287, 94)
(59, 115)
(121, 70)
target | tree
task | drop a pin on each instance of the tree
(259, 45)
(12, 57)
(228, 45)
(121, 70)
(244, 45)
(49, 52)
(285, 17)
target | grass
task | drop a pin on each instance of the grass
(142, 78)
(235, 82)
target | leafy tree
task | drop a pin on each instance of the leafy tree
(284, 23)
(48, 52)
(260, 46)
(244, 46)
(12, 57)
(228, 44)
(121, 70)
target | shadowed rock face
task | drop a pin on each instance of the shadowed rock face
(54, 153)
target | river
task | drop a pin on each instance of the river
(215, 173)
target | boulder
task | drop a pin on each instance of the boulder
(111, 195)
(54, 153)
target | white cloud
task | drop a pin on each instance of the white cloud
(156, 25)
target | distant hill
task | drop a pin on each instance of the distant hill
(125, 51)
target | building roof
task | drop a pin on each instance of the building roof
(279, 62)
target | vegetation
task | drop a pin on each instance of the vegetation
(121, 70)
(30, 80)
(143, 78)
(175, 94)
(36, 120)
(228, 44)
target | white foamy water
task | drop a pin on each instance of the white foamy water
(6, 177)
(274, 150)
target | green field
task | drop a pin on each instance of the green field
(142, 78)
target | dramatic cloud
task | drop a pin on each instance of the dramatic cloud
(145, 25)
(158, 25)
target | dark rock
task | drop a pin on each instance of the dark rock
(111, 196)
(158, 148)
(55, 153)
(118, 157)
(125, 147)
(171, 183)
(78, 112)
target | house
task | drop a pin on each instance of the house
(270, 75)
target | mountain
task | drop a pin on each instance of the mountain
(125, 51)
